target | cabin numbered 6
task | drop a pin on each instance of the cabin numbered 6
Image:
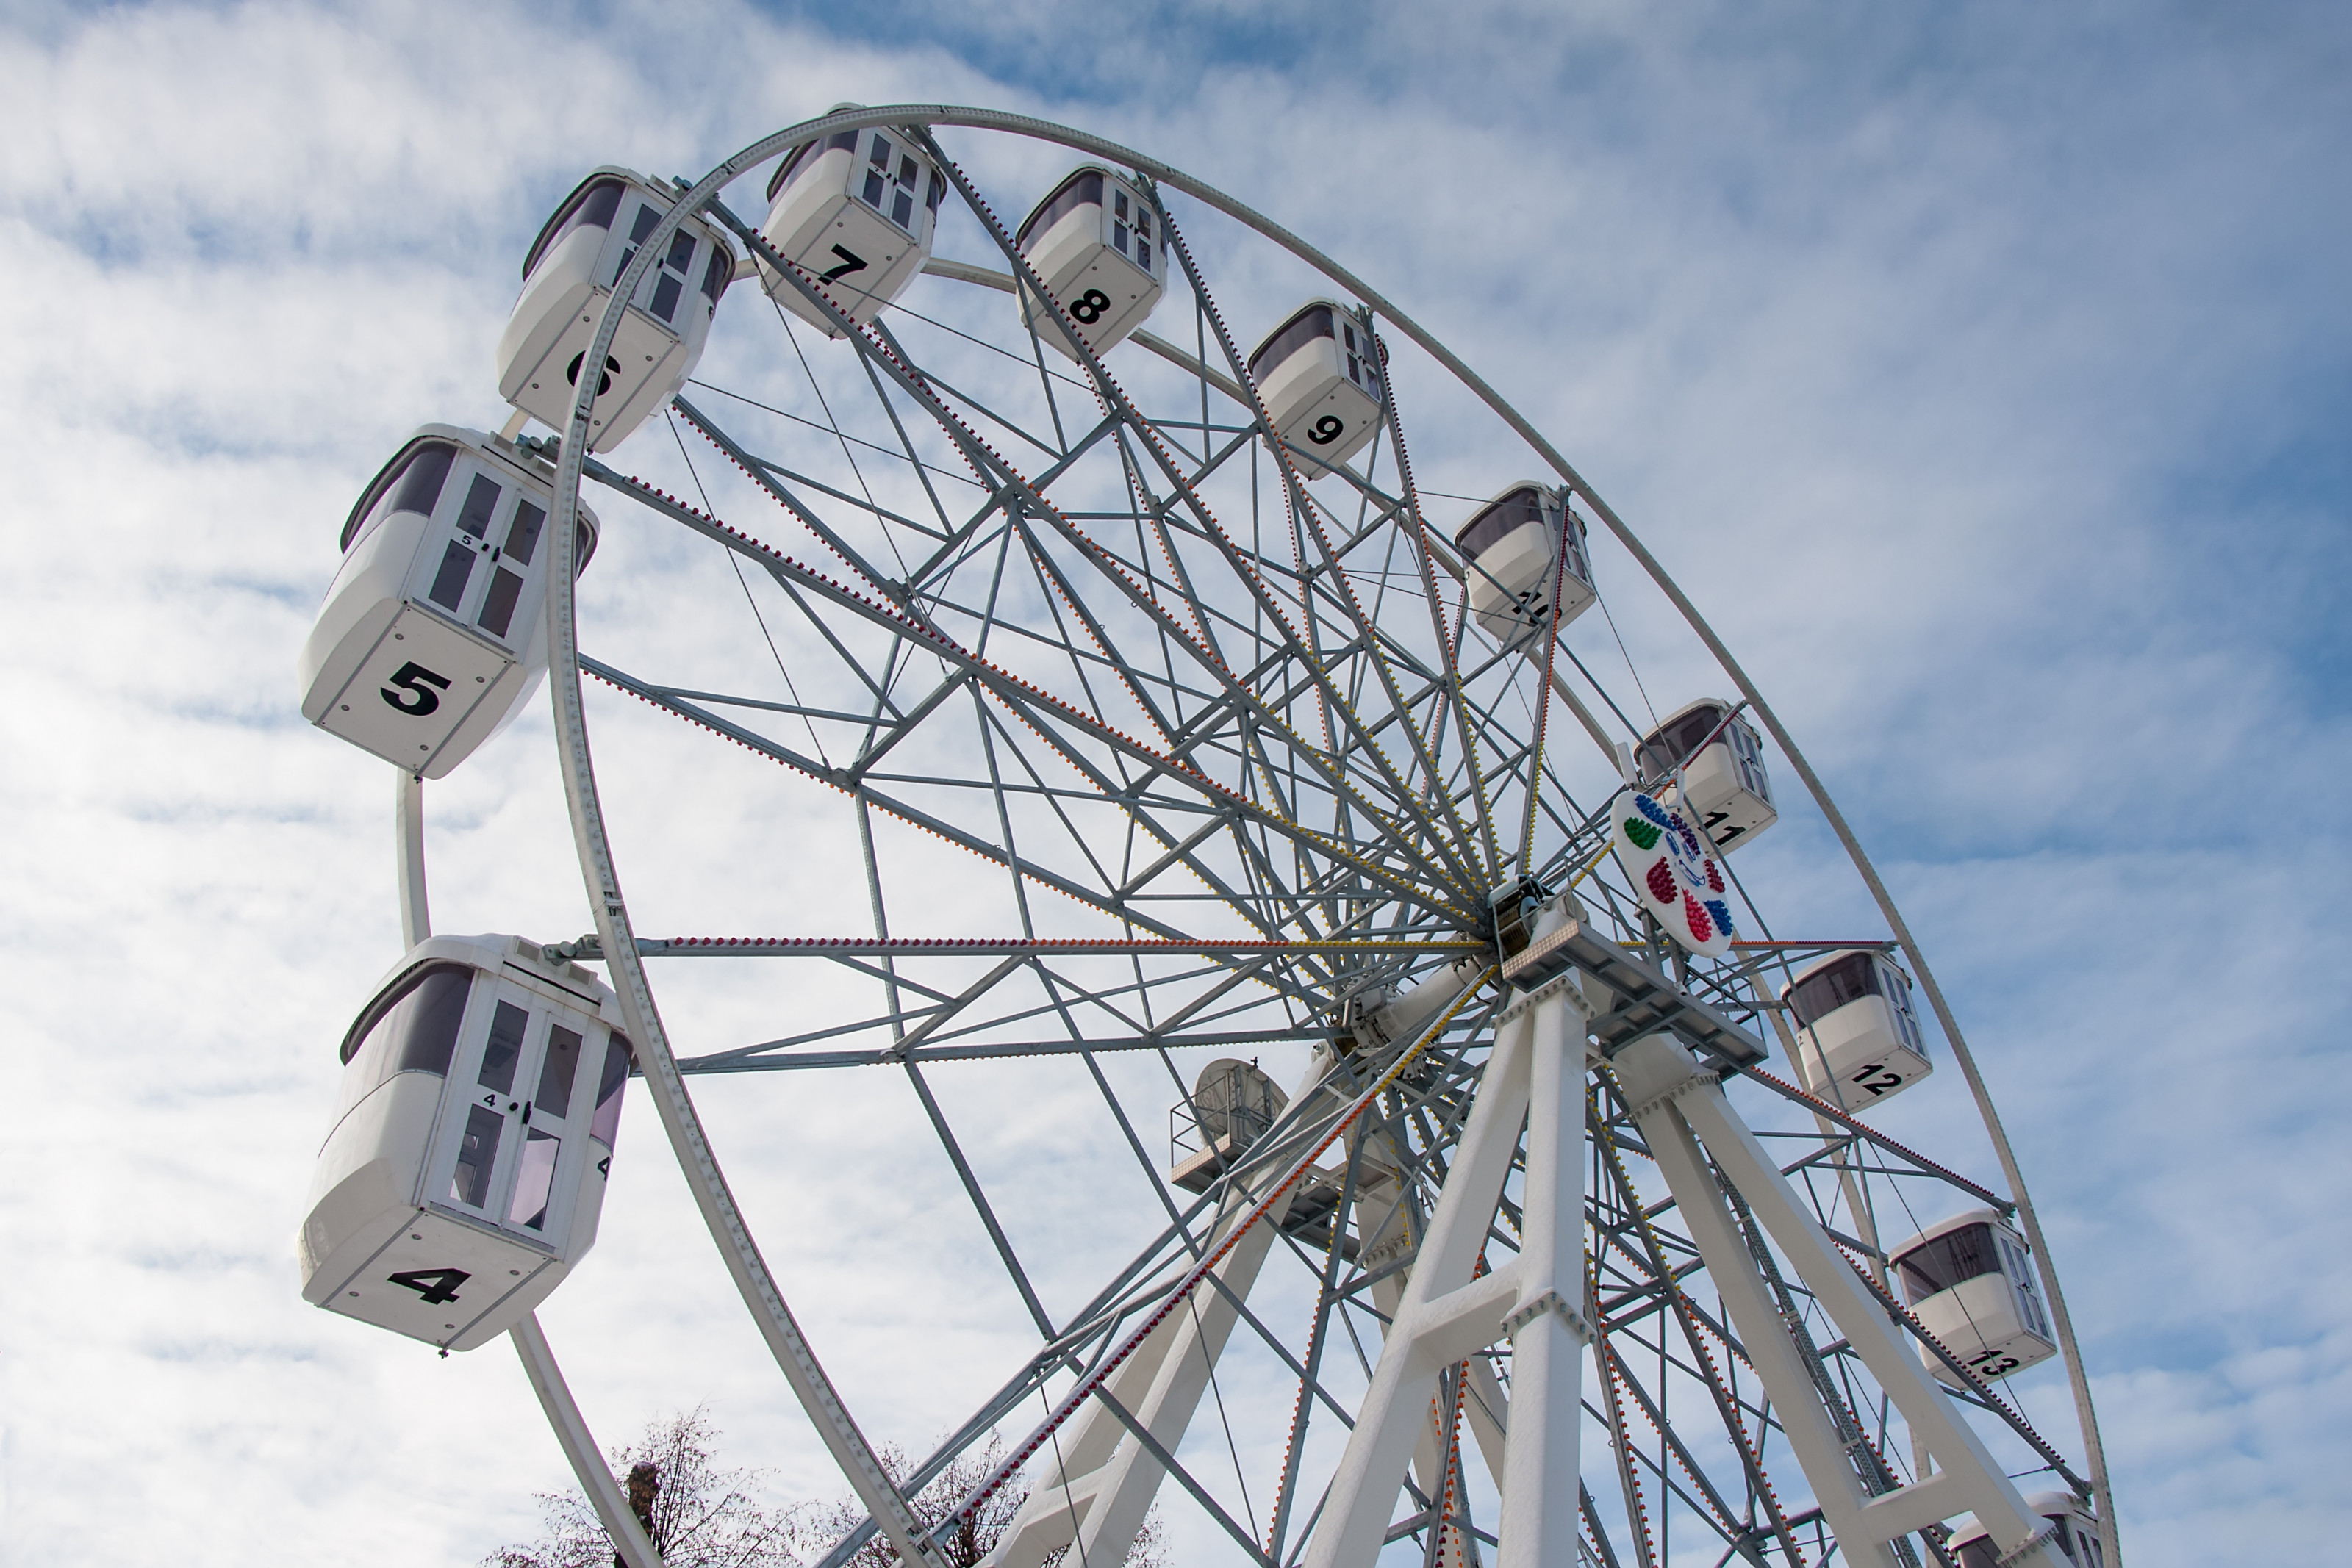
(2074, 1529)
(569, 277)
(1972, 1284)
(1511, 554)
(1319, 375)
(433, 633)
(855, 212)
(464, 1168)
(1094, 244)
(1723, 780)
(1858, 1035)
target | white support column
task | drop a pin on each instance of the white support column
(408, 857)
(1534, 1079)
(1678, 1108)
(579, 1446)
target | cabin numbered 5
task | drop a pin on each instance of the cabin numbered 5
(464, 1170)
(1722, 781)
(433, 635)
(1511, 554)
(855, 212)
(1970, 1282)
(1858, 1035)
(1094, 244)
(568, 280)
(1319, 375)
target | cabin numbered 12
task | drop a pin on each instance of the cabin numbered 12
(464, 1171)
(1511, 555)
(433, 633)
(1970, 1283)
(1319, 375)
(1722, 781)
(855, 212)
(1095, 245)
(569, 277)
(1858, 1035)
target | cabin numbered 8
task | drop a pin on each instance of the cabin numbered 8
(856, 211)
(1721, 756)
(464, 1168)
(432, 635)
(1859, 1035)
(1093, 245)
(1972, 1284)
(1510, 551)
(1319, 375)
(2074, 1529)
(568, 279)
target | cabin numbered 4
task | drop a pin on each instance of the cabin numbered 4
(1319, 375)
(1511, 553)
(1723, 780)
(1972, 1284)
(856, 211)
(433, 633)
(465, 1169)
(2074, 1529)
(1094, 245)
(1858, 1035)
(568, 280)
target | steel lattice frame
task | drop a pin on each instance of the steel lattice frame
(1228, 753)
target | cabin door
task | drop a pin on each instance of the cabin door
(526, 1109)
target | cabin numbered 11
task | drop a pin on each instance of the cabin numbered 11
(1511, 555)
(1094, 244)
(857, 213)
(1319, 375)
(1723, 783)
(464, 1171)
(433, 633)
(568, 280)
(1970, 1283)
(1858, 1035)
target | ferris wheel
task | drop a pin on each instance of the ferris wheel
(1450, 1160)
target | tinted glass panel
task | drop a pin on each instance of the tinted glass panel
(1080, 189)
(477, 1153)
(505, 1048)
(1981, 1553)
(449, 582)
(880, 156)
(681, 252)
(1119, 238)
(437, 1008)
(419, 489)
(646, 220)
(2062, 1535)
(907, 172)
(1670, 747)
(1292, 335)
(499, 603)
(523, 534)
(554, 1096)
(902, 210)
(665, 293)
(936, 192)
(874, 185)
(535, 1178)
(481, 500)
(1849, 979)
(717, 275)
(1940, 1264)
(606, 1122)
(1499, 521)
(601, 201)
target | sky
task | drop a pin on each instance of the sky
(1982, 372)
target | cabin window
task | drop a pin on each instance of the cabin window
(1081, 188)
(535, 1179)
(680, 258)
(717, 275)
(607, 1123)
(413, 1028)
(2060, 1531)
(590, 206)
(907, 173)
(555, 1074)
(902, 209)
(449, 582)
(840, 141)
(1981, 1553)
(504, 1049)
(1499, 521)
(421, 482)
(872, 191)
(1825, 990)
(523, 534)
(499, 603)
(1295, 334)
(481, 500)
(647, 221)
(880, 156)
(478, 1154)
(935, 191)
(1950, 1259)
(1672, 746)
(665, 296)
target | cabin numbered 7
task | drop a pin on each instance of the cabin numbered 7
(567, 281)
(2074, 1529)
(855, 212)
(1319, 375)
(1724, 784)
(1858, 1035)
(433, 635)
(465, 1169)
(1511, 554)
(1972, 1284)
(1093, 244)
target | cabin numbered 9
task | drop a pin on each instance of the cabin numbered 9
(1858, 1035)
(1319, 375)
(568, 279)
(1721, 758)
(1511, 553)
(433, 633)
(856, 211)
(1094, 244)
(1972, 1284)
(464, 1170)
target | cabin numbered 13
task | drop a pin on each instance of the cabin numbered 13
(1319, 375)
(1094, 244)
(855, 212)
(1724, 784)
(433, 633)
(1859, 1036)
(464, 1168)
(568, 279)
(1970, 1283)
(1510, 552)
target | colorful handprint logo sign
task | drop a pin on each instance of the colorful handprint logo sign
(1677, 876)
